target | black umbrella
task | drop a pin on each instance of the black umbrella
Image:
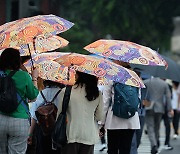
(172, 72)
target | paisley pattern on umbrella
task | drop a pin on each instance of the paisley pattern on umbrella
(126, 51)
(21, 32)
(101, 68)
(42, 44)
(51, 70)
(38, 58)
(48, 23)
(38, 45)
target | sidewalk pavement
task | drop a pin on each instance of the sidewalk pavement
(175, 144)
(145, 148)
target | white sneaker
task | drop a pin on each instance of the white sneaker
(175, 136)
(168, 147)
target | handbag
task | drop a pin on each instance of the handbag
(59, 138)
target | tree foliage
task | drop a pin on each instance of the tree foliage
(147, 22)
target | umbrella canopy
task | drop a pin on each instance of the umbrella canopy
(126, 51)
(101, 68)
(51, 70)
(48, 23)
(43, 57)
(172, 72)
(24, 31)
(40, 45)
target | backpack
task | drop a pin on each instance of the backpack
(126, 100)
(8, 93)
(46, 115)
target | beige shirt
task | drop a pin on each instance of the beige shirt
(82, 117)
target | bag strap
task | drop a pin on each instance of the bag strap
(66, 99)
(9, 75)
(12, 73)
(53, 97)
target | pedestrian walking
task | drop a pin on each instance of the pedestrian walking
(119, 130)
(157, 90)
(176, 109)
(44, 142)
(14, 126)
(84, 110)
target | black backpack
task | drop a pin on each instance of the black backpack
(8, 93)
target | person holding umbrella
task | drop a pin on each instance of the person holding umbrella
(120, 131)
(44, 142)
(14, 126)
(84, 110)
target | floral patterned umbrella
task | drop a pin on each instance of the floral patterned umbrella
(126, 51)
(40, 58)
(51, 70)
(42, 44)
(24, 31)
(44, 23)
(101, 68)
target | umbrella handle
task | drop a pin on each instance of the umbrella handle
(30, 56)
(34, 46)
(68, 74)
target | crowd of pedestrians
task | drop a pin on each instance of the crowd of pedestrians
(89, 108)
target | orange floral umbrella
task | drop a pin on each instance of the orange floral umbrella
(42, 44)
(24, 31)
(101, 68)
(42, 23)
(51, 70)
(46, 56)
(126, 51)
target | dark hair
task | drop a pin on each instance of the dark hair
(90, 82)
(52, 84)
(24, 59)
(175, 83)
(10, 59)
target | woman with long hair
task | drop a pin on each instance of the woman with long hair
(14, 126)
(84, 110)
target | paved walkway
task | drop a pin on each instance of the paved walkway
(176, 145)
(144, 147)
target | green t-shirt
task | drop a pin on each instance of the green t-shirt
(26, 89)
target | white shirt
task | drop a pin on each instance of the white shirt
(178, 90)
(114, 122)
(49, 93)
(174, 100)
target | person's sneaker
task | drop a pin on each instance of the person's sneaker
(102, 149)
(154, 150)
(168, 147)
(175, 136)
